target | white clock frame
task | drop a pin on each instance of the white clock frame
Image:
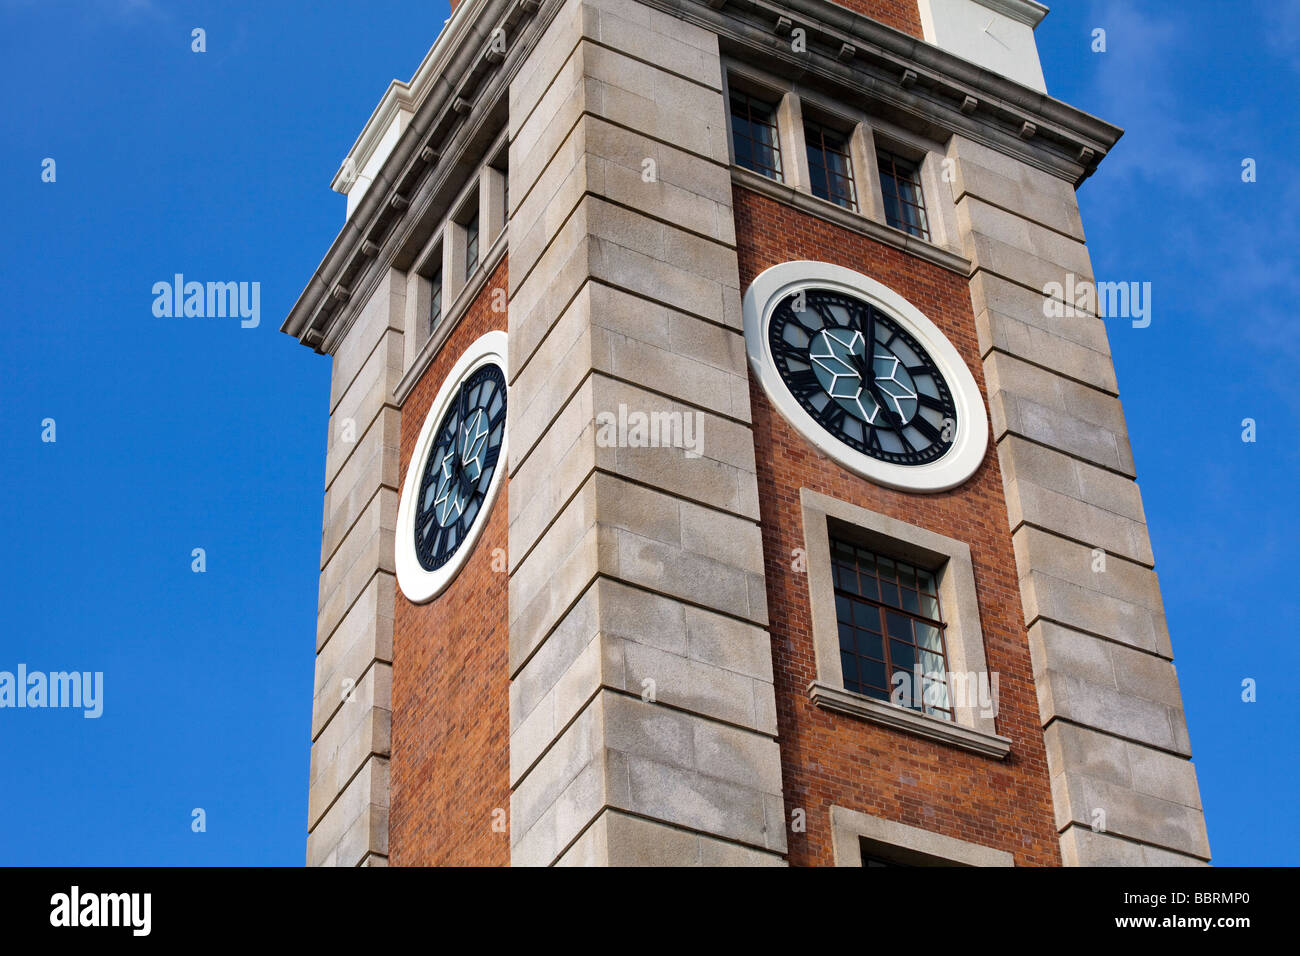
(421, 586)
(970, 443)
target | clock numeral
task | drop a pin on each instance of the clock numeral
(783, 348)
(833, 416)
(922, 424)
(804, 384)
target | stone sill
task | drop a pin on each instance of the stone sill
(908, 721)
(848, 219)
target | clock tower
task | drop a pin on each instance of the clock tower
(862, 575)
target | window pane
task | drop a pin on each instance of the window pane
(850, 665)
(929, 606)
(848, 638)
(817, 167)
(900, 185)
(754, 135)
(873, 674)
(866, 616)
(892, 214)
(829, 166)
(912, 624)
(873, 621)
(927, 636)
(931, 664)
(936, 697)
(471, 246)
(870, 645)
(435, 299)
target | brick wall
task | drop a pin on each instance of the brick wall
(902, 15)
(451, 715)
(830, 758)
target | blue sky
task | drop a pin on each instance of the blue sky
(176, 434)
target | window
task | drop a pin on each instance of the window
(900, 185)
(889, 625)
(829, 166)
(872, 862)
(891, 583)
(471, 246)
(435, 298)
(754, 135)
(861, 839)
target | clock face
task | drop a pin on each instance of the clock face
(460, 467)
(862, 376)
(456, 470)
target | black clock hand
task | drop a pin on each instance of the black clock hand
(865, 363)
(866, 370)
(466, 486)
(868, 331)
(864, 366)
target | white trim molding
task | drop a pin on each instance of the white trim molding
(904, 845)
(972, 436)
(402, 97)
(1028, 12)
(421, 586)
(909, 721)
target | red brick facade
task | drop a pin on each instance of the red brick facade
(902, 15)
(450, 760)
(834, 759)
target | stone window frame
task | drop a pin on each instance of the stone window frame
(950, 560)
(941, 211)
(835, 127)
(864, 128)
(900, 161)
(761, 88)
(486, 188)
(903, 844)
